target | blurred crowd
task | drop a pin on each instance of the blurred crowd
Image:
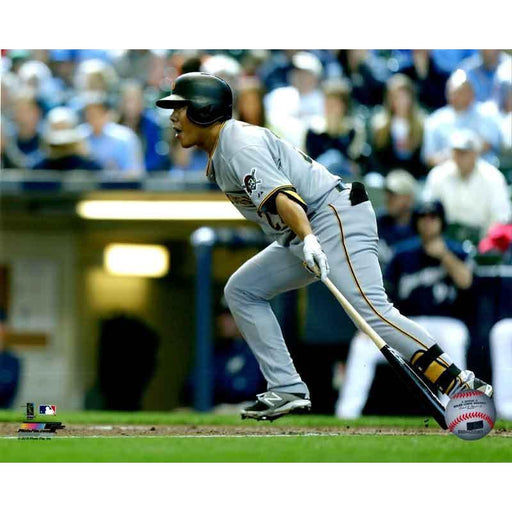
(443, 116)
(355, 111)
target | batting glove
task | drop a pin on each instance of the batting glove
(315, 256)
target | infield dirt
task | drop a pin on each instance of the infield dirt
(251, 429)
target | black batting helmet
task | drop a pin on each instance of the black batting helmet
(209, 98)
(428, 207)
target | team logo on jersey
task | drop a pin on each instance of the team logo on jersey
(251, 182)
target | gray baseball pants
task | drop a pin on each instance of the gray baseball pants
(348, 236)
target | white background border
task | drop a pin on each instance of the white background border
(253, 24)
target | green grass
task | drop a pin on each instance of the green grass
(364, 448)
(342, 448)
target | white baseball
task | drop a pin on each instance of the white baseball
(470, 415)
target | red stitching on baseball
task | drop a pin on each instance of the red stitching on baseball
(468, 416)
(467, 394)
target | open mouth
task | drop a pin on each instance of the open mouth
(177, 131)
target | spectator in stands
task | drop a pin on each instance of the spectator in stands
(481, 70)
(290, 109)
(275, 72)
(394, 222)
(17, 58)
(9, 90)
(94, 75)
(252, 61)
(473, 192)
(116, 147)
(63, 66)
(337, 138)
(504, 116)
(10, 369)
(144, 123)
(367, 73)
(460, 113)
(501, 109)
(64, 141)
(38, 77)
(397, 130)
(429, 78)
(191, 62)
(27, 118)
(450, 60)
(107, 56)
(224, 66)
(424, 278)
(249, 101)
(505, 103)
(146, 66)
(11, 156)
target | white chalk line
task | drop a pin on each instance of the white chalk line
(187, 436)
(224, 436)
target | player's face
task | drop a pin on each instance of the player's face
(185, 130)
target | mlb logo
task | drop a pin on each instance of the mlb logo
(48, 410)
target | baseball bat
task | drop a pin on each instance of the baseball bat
(404, 371)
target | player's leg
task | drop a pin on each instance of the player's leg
(451, 333)
(248, 292)
(362, 361)
(500, 340)
(363, 358)
(348, 234)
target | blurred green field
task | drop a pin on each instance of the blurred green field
(342, 441)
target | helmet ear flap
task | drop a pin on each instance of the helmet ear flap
(200, 115)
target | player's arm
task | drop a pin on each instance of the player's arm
(294, 216)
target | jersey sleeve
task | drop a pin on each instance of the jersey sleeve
(262, 178)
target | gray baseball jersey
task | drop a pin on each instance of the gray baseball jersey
(251, 165)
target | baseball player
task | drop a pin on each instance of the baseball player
(314, 219)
